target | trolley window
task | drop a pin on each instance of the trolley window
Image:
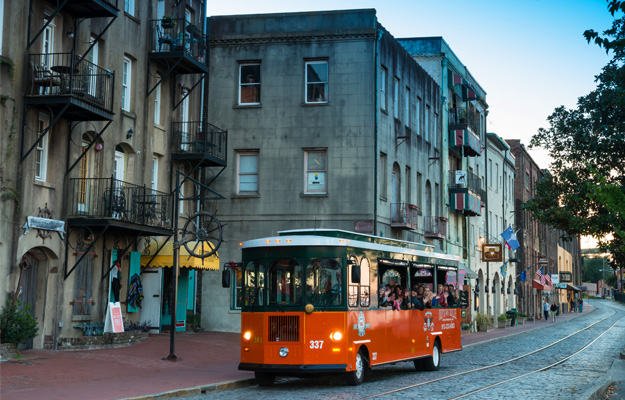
(285, 282)
(254, 284)
(324, 282)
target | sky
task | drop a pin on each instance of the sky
(529, 55)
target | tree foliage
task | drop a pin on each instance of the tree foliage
(16, 323)
(584, 193)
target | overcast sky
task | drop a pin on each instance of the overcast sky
(529, 55)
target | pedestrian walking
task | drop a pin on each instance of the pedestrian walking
(546, 310)
(554, 310)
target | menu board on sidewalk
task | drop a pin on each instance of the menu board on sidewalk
(114, 322)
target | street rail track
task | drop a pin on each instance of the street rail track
(499, 364)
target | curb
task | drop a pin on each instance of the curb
(197, 390)
(597, 391)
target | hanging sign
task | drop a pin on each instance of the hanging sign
(450, 278)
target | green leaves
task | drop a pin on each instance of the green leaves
(584, 194)
(16, 323)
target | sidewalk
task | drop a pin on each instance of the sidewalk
(209, 362)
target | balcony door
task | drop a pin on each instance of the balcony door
(119, 200)
(83, 184)
(93, 70)
(184, 114)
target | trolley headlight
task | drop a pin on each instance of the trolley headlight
(336, 336)
(247, 335)
(284, 352)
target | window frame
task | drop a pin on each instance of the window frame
(307, 152)
(1, 23)
(157, 102)
(426, 123)
(407, 106)
(383, 96)
(326, 84)
(396, 97)
(41, 149)
(383, 176)
(129, 7)
(249, 84)
(126, 84)
(154, 175)
(247, 153)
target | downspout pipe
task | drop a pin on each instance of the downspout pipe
(379, 34)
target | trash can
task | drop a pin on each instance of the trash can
(512, 314)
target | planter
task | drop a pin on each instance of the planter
(502, 323)
(521, 320)
(482, 327)
(8, 351)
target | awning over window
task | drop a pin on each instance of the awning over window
(469, 273)
(537, 285)
(466, 202)
(574, 288)
(467, 140)
(165, 257)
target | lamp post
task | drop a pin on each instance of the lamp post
(604, 270)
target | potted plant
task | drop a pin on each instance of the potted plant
(168, 22)
(521, 318)
(466, 328)
(16, 324)
(483, 322)
(502, 321)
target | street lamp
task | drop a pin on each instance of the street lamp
(604, 270)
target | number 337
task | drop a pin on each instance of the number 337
(316, 344)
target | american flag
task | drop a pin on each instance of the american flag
(548, 279)
(543, 278)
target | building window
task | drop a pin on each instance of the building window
(435, 131)
(126, 81)
(419, 191)
(408, 186)
(157, 102)
(41, 151)
(383, 75)
(426, 123)
(383, 178)
(249, 84)
(129, 7)
(396, 98)
(315, 162)
(407, 106)
(490, 173)
(316, 82)
(418, 115)
(154, 178)
(247, 166)
(496, 177)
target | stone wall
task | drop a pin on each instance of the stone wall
(108, 340)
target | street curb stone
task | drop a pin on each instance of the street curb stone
(197, 390)
(596, 392)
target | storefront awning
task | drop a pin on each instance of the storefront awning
(165, 257)
(537, 285)
(574, 288)
(469, 273)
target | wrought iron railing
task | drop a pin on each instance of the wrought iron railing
(464, 116)
(67, 74)
(171, 35)
(462, 179)
(200, 137)
(435, 226)
(404, 213)
(115, 199)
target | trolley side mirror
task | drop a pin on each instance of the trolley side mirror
(225, 278)
(355, 270)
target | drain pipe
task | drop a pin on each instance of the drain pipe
(379, 34)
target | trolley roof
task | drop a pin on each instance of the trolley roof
(341, 238)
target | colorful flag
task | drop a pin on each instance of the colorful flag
(510, 238)
(548, 279)
(523, 276)
(543, 280)
(504, 269)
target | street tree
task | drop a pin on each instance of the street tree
(587, 144)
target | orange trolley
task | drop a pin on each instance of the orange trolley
(310, 305)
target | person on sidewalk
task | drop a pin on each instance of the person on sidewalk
(546, 310)
(554, 310)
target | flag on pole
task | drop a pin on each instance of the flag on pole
(510, 238)
(548, 279)
(504, 270)
(523, 276)
(543, 280)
